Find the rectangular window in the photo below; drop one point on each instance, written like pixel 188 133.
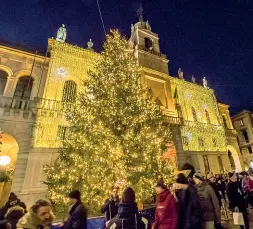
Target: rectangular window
pixel 241 122
pixel 206 163
pixel 220 163
pixel 214 142
pixel 62 132
pixel 250 150
pixel 201 142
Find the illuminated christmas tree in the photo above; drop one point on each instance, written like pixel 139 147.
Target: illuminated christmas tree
pixel 117 135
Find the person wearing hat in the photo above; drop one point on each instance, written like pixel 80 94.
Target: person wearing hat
pixel 78 214
pixel 208 201
pixel 189 210
pixel 128 216
pixel 12 201
pixel 165 209
pixel 236 198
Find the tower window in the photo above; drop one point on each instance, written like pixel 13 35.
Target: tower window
pixel 250 150
pixel 241 122
pixel 148 43
pixel 245 135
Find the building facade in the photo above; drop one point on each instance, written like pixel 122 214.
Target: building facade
pixel 244 127
pixel 37 90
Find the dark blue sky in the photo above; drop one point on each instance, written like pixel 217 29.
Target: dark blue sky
pixel 206 38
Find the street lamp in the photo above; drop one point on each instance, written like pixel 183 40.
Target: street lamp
pixel 5 160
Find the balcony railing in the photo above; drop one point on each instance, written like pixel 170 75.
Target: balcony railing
pixel 15 103
pixel 174 120
pixel 141 47
pixel 230 133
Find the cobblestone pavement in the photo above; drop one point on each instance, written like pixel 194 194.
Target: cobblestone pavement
pixel 230 225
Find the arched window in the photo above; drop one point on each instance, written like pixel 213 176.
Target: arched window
pixel 24 87
pixel 207 116
pixel 194 115
pixel 3 80
pixel 148 43
pixel 69 92
pixel 231 160
pixel 225 121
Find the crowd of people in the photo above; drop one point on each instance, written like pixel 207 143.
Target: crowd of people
pixel 190 203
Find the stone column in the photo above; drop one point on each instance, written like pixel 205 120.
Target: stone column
pixel 10 86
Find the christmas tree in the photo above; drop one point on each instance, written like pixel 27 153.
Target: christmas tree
pixel 117 135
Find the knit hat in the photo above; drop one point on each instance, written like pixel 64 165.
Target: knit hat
pixel 128 195
pixel 13 197
pixel 181 179
pixel 198 175
pixel 75 195
pixel 160 183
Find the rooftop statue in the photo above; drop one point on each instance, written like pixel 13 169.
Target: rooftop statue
pixel 193 79
pixel 61 34
pixel 180 73
pixel 205 82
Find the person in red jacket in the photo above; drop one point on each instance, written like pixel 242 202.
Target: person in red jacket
pixel 165 211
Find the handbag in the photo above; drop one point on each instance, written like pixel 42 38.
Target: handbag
pixel 238 218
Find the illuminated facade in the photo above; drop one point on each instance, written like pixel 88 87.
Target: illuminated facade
pixel 243 124
pixel 34 111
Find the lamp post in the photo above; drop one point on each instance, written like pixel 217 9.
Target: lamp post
pixel 4 162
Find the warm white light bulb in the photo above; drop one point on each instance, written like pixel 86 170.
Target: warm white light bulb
pixel 5 160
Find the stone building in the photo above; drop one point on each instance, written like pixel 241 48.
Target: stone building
pixel 37 89
pixel 244 126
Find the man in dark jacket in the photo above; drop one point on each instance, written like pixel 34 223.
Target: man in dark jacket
pixel 208 200
pixel 189 209
pixel 236 198
pixel 127 217
pixel 110 207
pixel 77 214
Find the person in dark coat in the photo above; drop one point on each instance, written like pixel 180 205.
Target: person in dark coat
pixel 128 216
pixel 78 214
pixel 166 209
pixel 237 200
pixel 13 215
pixel 110 207
pixel 12 201
pixel 209 202
pixel 190 214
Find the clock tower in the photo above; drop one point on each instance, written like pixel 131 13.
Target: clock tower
pixel 154 64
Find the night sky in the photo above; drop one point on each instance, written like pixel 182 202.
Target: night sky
pixel 205 38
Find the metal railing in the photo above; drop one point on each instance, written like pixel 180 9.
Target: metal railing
pixel 141 47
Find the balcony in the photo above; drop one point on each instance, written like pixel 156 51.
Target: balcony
pixel 18 108
pixel 143 48
pixel 173 120
pixel 230 133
